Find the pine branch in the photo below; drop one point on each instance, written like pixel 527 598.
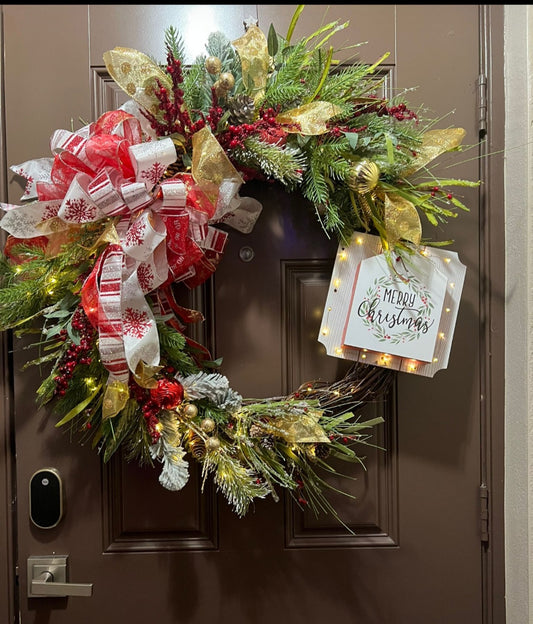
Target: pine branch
pixel 283 164
pixel 174 42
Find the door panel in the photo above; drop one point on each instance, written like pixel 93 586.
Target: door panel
pixel 186 557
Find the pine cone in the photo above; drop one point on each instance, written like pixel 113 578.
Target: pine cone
pixel 268 442
pixel 322 450
pixel 173 169
pixel 256 431
pixel 242 109
pixel 196 446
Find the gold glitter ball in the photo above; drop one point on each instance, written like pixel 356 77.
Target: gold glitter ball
pixel 213 65
pixel 213 444
pixel 189 410
pixel 207 425
pixel 226 81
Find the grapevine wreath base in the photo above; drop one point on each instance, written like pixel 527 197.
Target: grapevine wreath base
pixel 139 203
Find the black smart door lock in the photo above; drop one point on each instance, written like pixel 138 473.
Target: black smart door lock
pixel 46 498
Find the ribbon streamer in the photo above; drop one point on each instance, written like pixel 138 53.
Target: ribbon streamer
pixel 252 48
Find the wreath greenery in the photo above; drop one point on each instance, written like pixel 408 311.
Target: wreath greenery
pixel 168 165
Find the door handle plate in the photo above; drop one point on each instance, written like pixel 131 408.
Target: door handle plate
pixel 48 577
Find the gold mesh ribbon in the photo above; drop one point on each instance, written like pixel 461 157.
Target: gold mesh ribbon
pixel 252 48
pixel 301 428
pixel 145 375
pixel 137 75
pixel 115 398
pixel 311 118
pixel 435 143
pixel 210 164
pixel 402 221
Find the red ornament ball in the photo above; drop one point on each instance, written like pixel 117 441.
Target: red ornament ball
pixel 168 394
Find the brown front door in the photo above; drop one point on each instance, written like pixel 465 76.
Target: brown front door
pixel 418 554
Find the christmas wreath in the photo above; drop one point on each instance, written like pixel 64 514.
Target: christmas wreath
pixel 139 201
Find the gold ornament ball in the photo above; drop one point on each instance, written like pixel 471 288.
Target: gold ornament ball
pixel 207 425
pixel 189 410
pixel 213 65
pixel 212 444
pixel 226 81
pixel 363 177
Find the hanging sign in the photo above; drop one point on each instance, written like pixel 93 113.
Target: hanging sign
pixel 397 312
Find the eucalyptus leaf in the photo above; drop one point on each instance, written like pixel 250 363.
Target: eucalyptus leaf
pixel 353 139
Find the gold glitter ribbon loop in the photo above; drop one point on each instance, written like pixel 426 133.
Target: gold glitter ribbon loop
pixel 310 119
pixel 435 143
pixel 210 165
pixel 402 221
pixel 302 428
pixel 115 398
pixel 137 75
pixel 252 48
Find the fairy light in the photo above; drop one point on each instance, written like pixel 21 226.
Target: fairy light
pixel 18 269
pixel 338 350
pixel 359 240
pixel 442 335
pixel 90 382
pixel 386 359
pixel 336 283
pixel 435 360
pixel 159 427
pixel 452 284
pixel 447 260
pixel 412 366
pixel 343 254
pixel 325 331
pixel 448 310
pixel 50 282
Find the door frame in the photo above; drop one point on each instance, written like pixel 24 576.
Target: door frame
pixel 9 596
pixel 492 347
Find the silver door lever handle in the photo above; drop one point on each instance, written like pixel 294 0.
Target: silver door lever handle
pixel 47 577
pixel 45 586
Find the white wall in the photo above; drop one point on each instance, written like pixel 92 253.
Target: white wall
pixel 519 313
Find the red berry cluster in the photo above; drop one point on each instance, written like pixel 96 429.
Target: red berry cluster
pixel 436 190
pixel 301 499
pixel 338 130
pixel 215 112
pixel 176 116
pixel 400 112
pixel 149 409
pixel 76 354
pixel 266 127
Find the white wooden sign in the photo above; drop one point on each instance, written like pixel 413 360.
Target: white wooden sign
pixel 399 315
